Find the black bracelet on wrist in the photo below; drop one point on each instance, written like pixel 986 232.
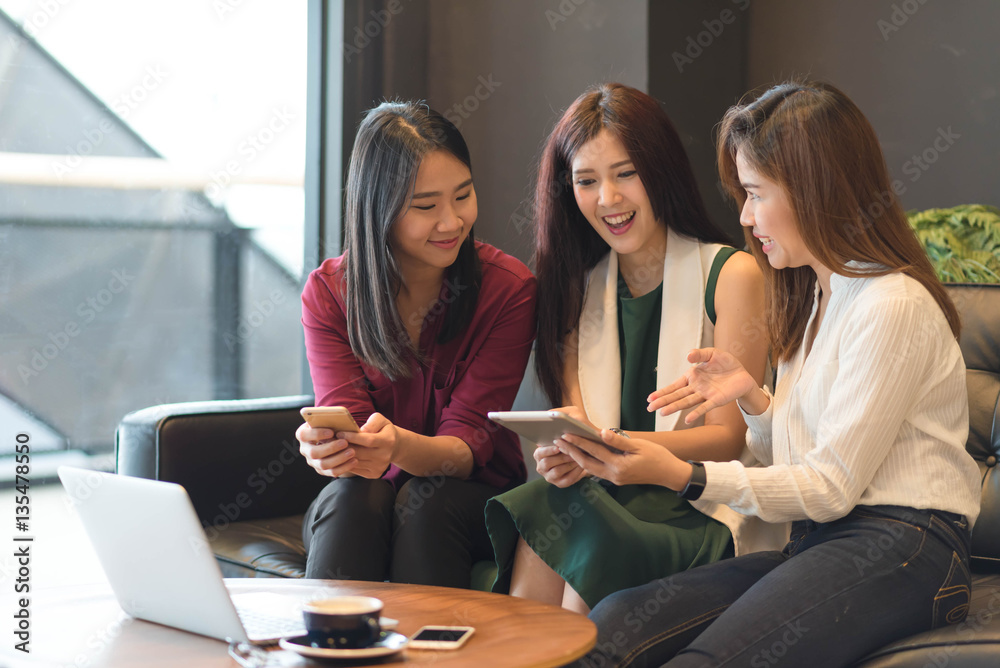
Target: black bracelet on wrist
pixel 696 485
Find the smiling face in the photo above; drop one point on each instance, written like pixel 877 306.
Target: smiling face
pixel 612 197
pixel 768 212
pixel 441 211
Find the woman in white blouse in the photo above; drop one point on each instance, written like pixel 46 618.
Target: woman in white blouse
pixel 862 442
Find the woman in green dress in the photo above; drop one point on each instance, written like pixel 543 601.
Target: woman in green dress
pixel 623 240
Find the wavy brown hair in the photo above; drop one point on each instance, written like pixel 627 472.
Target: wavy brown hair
pixel 566 246
pixel 815 143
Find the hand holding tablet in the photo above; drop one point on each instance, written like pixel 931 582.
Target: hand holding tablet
pixel 544 427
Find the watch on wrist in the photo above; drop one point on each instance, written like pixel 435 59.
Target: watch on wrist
pixel 620 432
pixel 696 485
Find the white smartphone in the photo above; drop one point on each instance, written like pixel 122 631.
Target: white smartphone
pixel 336 418
pixel 440 637
pixel 543 427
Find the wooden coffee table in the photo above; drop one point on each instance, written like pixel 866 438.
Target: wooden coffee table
pixel 85 626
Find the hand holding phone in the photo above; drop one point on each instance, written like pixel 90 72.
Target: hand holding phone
pixel 336 418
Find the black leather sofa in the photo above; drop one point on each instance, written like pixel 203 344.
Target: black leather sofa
pixel 975 643
pixel 239 462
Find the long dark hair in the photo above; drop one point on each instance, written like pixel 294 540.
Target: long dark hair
pixel 392 140
pixel 566 246
pixel 815 143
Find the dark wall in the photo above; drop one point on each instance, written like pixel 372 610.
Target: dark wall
pixel 697 70
pixel 505 71
pixel 926 73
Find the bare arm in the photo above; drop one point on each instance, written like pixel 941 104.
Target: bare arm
pixel 739 330
pixel 422 455
pixel 369 452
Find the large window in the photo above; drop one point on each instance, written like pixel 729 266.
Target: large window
pixel 151 208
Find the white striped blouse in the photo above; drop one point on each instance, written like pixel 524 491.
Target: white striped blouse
pixel 877 413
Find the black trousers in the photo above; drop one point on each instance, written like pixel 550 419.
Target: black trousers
pixel 431 532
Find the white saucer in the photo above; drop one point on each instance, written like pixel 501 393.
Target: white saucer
pixel 389 643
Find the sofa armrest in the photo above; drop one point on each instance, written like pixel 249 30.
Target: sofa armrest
pixel 238 460
pixel 979 307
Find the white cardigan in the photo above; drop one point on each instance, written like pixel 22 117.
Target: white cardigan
pixel 684 325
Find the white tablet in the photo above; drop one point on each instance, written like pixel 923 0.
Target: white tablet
pixel 543 427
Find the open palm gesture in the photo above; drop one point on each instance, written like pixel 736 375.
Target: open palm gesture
pixel 715 379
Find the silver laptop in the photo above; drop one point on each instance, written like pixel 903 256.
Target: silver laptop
pixel 159 563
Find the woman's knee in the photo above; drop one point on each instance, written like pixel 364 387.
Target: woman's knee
pixel 360 499
pixel 426 501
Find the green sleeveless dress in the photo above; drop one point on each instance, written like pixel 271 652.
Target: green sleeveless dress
pixel 599 537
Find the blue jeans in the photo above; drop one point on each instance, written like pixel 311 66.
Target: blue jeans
pixel 838 591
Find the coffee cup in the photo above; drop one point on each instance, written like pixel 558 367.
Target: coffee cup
pixel 345 622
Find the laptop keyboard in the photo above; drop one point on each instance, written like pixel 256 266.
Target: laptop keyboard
pixel 268 616
pixel 262 625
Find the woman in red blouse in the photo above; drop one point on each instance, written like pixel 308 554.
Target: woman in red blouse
pixel 419 331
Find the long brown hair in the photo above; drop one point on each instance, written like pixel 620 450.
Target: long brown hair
pixel 566 246
pixel 815 143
